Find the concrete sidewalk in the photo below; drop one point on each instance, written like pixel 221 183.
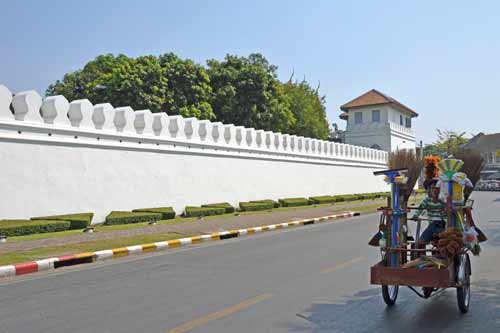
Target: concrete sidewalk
pixel 196 227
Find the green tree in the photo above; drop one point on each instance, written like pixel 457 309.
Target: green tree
pixel 188 88
pixel 447 143
pixel 246 92
pixel 308 108
pixel 164 83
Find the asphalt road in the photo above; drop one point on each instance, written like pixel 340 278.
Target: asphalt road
pixel 308 279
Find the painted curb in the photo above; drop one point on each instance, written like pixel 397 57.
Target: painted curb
pixel 88 257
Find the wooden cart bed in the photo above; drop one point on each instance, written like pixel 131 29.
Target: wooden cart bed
pixel 427 277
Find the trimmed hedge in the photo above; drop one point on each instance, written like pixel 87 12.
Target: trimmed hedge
pixel 323 199
pixel 11 228
pixel 228 208
pixel 192 211
pixel 338 198
pixel 275 204
pixel 167 213
pixel 78 221
pixel 368 196
pixel 350 197
pixel 120 217
pixel 254 206
pixel 294 202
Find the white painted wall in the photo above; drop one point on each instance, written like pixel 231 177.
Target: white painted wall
pixel 400 139
pixel 76 157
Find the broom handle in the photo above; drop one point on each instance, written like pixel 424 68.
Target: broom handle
pixel 451 222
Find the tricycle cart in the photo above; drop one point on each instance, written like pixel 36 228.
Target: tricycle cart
pixel 399 249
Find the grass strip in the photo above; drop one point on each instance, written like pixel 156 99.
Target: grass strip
pixel 91 246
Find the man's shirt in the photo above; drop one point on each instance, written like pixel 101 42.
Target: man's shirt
pixel 435 210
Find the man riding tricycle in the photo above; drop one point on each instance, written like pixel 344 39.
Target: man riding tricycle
pixel 437 258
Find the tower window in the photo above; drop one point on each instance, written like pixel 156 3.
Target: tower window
pixel 408 122
pixel 358 117
pixel 375 116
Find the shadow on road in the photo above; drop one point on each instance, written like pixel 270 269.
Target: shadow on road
pixel 365 311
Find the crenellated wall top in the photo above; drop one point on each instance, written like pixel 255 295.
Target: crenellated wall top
pixel 28 112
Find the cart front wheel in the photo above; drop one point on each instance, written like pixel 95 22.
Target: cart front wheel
pixel 390 294
pixel 463 292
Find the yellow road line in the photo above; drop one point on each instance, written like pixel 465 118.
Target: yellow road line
pixel 219 314
pixel 342 265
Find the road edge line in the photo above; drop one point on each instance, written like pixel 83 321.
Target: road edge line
pixel 89 257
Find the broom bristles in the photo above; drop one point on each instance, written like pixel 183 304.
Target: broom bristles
pixel 473 164
pixel 407 159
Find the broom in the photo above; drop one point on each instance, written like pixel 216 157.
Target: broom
pixel 473 164
pixel 406 159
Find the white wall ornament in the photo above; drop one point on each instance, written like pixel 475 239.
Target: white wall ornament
pixel 259 138
pixel 286 141
pixel 307 144
pixel 239 134
pixel 293 142
pixel 102 116
pixel 300 143
pixel 269 139
pixel 160 123
pixel 55 110
pixel 26 106
pixel 124 119
pixel 191 128
pixel 277 141
pixel 250 138
pixel 216 132
pixel 143 122
pixel 204 129
pixel 5 100
pixel 229 134
pixel 80 113
pixel 176 127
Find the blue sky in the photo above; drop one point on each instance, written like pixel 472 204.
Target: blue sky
pixel 441 58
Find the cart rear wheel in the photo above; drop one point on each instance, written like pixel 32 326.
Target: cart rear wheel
pixel 390 294
pixel 463 276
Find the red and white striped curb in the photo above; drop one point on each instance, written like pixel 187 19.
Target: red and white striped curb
pixel 87 257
